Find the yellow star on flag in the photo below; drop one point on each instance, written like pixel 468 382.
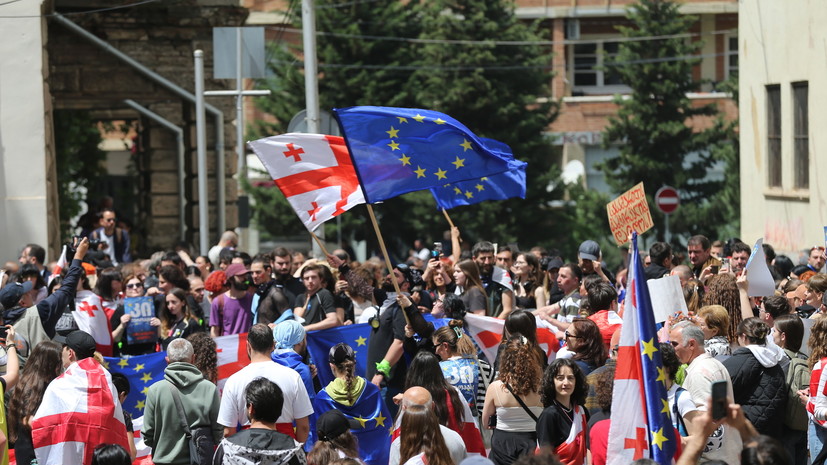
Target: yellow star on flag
pixel 147 377
pixel 466 145
pixel 439 121
pixel 419 118
pixel 145 390
pixel 649 348
pixel 480 187
pixel 420 172
pixel 459 162
pixel 360 341
pixel 393 133
pixel 440 173
pixel 394 146
pixel 123 363
pixel 140 405
pixel 402 119
pixel 361 421
pixel 139 367
pixel 469 194
pixel 483 178
pixel 665 408
pixel 406 160
pixel 661 375
pixel 458 190
pixel 380 420
pixel 658 438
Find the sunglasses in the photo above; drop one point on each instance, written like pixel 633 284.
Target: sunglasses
pixel 568 335
pixel 134 286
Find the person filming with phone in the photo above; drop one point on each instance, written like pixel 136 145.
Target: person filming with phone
pixel 703 371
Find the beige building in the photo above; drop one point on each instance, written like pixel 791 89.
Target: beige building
pixel 783 45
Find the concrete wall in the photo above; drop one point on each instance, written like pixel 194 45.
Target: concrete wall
pixel 782 42
pixel 27 190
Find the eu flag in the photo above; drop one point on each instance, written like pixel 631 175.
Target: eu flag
pixel 319 344
pixel 641 426
pixel 496 187
pixel 142 371
pixel 400 150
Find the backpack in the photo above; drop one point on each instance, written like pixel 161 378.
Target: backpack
pixel 795 416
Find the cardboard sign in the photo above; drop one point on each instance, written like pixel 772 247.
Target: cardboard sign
pixel 667 297
pixel 139 331
pixel 629 212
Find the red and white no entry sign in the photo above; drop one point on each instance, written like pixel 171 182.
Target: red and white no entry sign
pixel 667 199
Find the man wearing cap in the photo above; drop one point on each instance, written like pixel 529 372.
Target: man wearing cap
pixel 80 408
pixel 497 281
pixel 36 323
pixel 291 341
pixel 552 269
pixel 420 396
pixel 231 312
pixel 589 261
pixel 297 407
pixel 162 430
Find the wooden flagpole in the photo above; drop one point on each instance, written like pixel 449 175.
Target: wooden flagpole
pixel 321 244
pixel 450 223
pixel 387 257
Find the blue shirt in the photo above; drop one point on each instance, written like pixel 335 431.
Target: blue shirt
pixel 463 374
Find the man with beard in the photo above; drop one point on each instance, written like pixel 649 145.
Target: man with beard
pixel 386 366
pixel 269 302
pixel 495 280
pixel 230 312
pixel 700 256
pixel 316 305
pixel 283 268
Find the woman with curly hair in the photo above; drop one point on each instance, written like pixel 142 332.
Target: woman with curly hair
pixel 355 398
pixel 562 425
pixel 817 402
pixel 44 364
pixel 421 442
pixel 584 339
pixel 515 426
pixel 467 278
pixel 206 357
pixel 723 290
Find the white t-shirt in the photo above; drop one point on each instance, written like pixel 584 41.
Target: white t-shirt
pixel 456 447
pixel 233 409
pixel 685 403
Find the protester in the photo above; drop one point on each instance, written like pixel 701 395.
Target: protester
pixel 177 319
pixel 459 362
pixel 335 439
pixel 205 357
pixel 231 312
pixel 562 425
pixel 714 322
pixel 466 277
pixel 788 333
pixel 291 341
pixel 420 442
pixel 316 306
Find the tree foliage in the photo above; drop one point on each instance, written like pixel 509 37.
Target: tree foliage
pixel 654 131
pixel 499 91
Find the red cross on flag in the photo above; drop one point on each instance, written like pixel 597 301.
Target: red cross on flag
pixel 78 412
pixel 314 172
pixel 91 318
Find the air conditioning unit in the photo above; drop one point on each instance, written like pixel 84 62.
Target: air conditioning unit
pixel 573 29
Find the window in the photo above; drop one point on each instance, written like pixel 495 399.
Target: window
pixel 801 133
pixel 774 135
pixel 732 56
pixel 588 65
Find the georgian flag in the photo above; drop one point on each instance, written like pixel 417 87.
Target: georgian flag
pixel 488 333
pixel 91 318
pixel 314 172
pixel 232 356
pixel 79 410
pixel 59 266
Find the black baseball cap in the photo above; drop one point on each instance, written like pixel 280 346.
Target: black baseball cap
pixel 12 293
pixel 82 343
pixel 333 424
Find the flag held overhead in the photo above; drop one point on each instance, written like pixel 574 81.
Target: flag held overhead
pixel 500 186
pixel 400 150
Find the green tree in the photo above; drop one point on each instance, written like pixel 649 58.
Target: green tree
pixel 657 142
pixel 499 91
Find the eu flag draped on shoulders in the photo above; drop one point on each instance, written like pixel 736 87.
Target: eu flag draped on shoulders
pixel 640 425
pixel 400 150
pixel 500 186
pixel 319 344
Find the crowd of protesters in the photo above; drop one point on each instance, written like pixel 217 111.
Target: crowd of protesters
pixel 443 400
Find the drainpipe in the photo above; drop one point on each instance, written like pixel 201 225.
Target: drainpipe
pixel 179 139
pixel 176 89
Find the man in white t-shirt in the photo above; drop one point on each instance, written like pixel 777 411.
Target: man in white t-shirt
pixel 703 370
pixel 297 407
pixel 420 396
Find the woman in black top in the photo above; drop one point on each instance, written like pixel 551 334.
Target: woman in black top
pixel 177 319
pixel 562 425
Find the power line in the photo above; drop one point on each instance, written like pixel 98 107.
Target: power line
pixel 78 13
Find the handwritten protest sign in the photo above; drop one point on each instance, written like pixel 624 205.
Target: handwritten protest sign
pixel 629 212
pixel 139 331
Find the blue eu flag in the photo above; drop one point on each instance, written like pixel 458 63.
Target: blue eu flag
pixel 400 150
pixel 142 371
pixel 319 344
pixel 497 187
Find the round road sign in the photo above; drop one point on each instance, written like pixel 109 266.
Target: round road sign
pixel 667 199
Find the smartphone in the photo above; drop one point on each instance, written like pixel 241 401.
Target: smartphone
pixel 715 269
pixel 725 263
pixel 437 252
pixel 719 400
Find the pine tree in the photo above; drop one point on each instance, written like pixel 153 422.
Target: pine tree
pixel 653 129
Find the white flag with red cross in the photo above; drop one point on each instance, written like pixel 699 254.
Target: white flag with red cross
pixel 79 411
pixel 488 333
pixel 232 356
pixel 314 172
pixel 91 318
